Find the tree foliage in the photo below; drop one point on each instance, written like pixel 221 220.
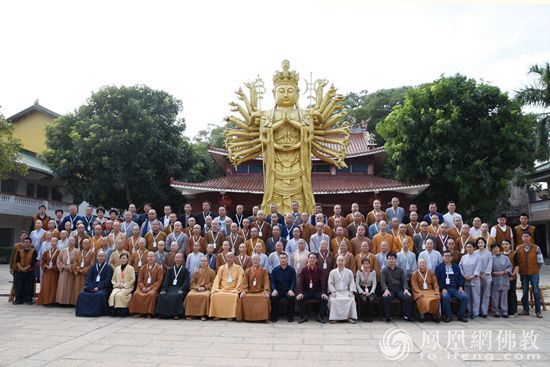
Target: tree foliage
pixel 124 145
pixel 466 139
pixel 9 150
pixel 538 95
pixel 374 107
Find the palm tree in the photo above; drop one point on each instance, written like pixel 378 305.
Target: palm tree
pixel 538 95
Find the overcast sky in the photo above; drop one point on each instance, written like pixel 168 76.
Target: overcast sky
pixel 202 51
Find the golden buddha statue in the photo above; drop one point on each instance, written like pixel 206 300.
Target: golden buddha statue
pixel 287 137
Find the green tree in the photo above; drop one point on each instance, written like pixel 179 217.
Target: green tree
pixel 373 107
pixel 124 145
pixel 9 150
pixel 538 95
pixel 466 139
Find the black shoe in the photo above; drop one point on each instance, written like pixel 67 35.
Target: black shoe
pixel 290 319
pixel 302 320
pixel 462 319
pixel 505 316
pixel 388 319
pixel 17 302
pixel 446 319
pixel 484 316
pixel 274 319
pixel 320 319
pixel 369 320
pixel 496 316
pixel 421 320
pixel 28 302
pixel 407 318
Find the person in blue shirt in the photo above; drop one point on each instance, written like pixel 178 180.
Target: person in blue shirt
pixel 73 217
pixel 283 284
pixel 451 285
pixel 432 209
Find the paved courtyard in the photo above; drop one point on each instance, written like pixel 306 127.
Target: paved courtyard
pixel 38 336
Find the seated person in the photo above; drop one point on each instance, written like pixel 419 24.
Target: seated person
pixel 283 284
pixel 341 287
pixel 226 288
pixel 123 281
pixel 365 280
pixel 254 302
pixel 197 302
pixel 92 301
pixel 394 285
pixel 312 284
pixel 174 289
pixel 425 291
pixel 451 285
pixel 144 299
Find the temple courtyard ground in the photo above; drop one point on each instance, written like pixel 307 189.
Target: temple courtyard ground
pixel 39 336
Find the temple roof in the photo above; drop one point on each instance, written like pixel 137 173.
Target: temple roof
pixel 322 184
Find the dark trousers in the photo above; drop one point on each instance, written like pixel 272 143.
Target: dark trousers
pixel 24 286
pixel 405 300
pixel 367 307
pixel 512 298
pixel 316 295
pixel 290 304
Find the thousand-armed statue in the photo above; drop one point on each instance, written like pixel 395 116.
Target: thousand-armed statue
pixel 287 137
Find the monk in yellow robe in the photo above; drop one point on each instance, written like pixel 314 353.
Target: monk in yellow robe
pixel 254 303
pixel 225 290
pixel 197 302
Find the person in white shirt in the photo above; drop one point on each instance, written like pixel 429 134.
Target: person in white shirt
pixel 475 231
pixel 449 218
pixel 433 257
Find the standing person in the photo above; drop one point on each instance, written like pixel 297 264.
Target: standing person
pixel 42 217
pixel 451 214
pixel 283 284
pixel 65 264
pixel 23 273
pixel 36 240
pixel 406 259
pixel 421 237
pixel 395 211
pixel 485 279
pixel 432 209
pixel 144 299
pixel 201 217
pixel 194 259
pixel 123 281
pixel 394 285
pixel 127 227
pixel 366 288
pixel 502 269
pixel 451 285
pixel 72 218
pixel 312 284
pixel 50 274
pixel 470 268
pixel 174 290
pixel 316 238
pixel 425 291
pixel 83 261
pixel 341 287
pixel 512 295
pixel 197 302
pixel 187 214
pixel 529 261
pixel 238 216
pixel 88 220
pixel 501 231
pixel 522 228
pixel 92 301
pixel 433 257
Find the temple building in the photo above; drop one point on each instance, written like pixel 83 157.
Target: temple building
pixel 356 183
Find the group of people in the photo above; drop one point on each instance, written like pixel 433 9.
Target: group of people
pixel 257 267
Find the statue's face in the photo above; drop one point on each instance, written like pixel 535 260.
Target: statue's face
pixel 286 95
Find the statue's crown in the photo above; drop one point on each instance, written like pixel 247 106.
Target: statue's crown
pixel 286 76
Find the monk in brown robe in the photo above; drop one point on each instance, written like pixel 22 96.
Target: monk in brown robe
pixel 196 237
pixel 254 303
pixel 96 242
pixel 358 240
pixel 65 264
pixel 85 258
pixel 365 253
pixel 50 274
pixel 114 259
pixel 243 259
pixel 337 242
pixel 425 291
pixel 132 242
pixel 144 299
pixel 170 258
pixel 13 266
pixel 197 302
pixel 154 236
pixel 139 257
pixel 221 259
pixel 252 241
